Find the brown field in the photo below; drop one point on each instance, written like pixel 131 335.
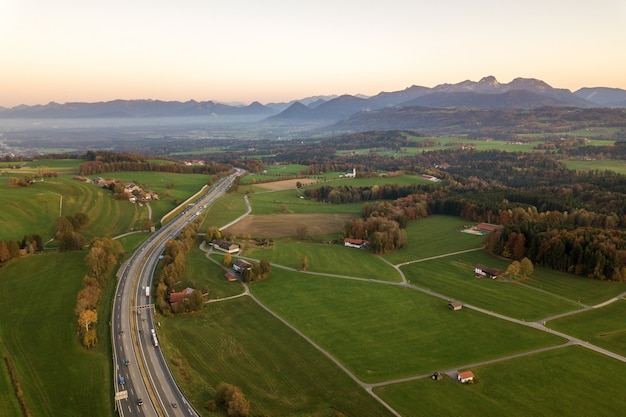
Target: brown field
pixel 285 225
pixel 285 184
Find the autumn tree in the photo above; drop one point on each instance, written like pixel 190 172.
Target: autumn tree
pixel 232 399
pixel 86 322
pixel 228 258
pixel 147 223
pixel 526 267
pixel 304 263
pixel 212 233
pixel 302 231
pixel 513 270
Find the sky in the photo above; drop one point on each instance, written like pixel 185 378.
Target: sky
pixel 240 51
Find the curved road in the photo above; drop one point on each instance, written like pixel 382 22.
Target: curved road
pixel 143 382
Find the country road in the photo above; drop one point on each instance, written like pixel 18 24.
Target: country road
pixel 369 387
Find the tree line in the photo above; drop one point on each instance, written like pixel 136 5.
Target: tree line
pixel 104 254
pixel 173 271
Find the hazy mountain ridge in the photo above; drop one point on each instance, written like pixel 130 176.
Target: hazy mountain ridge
pixel 134 108
pixel 487 93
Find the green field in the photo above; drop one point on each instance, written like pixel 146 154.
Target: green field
pixel 273 173
pixel 34 209
pixel 225 209
pixel 583 290
pixel 274 201
pixel 183 187
pixel 453 276
pixel 202 272
pixel 328 259
pixel 433 236
pixel 38 333
pixel 279 372
pixel 60 166
pixel 618 166
pixel 382 332
pixel 570 381
pixel 605 327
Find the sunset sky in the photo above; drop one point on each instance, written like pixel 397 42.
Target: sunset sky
pixel 239 51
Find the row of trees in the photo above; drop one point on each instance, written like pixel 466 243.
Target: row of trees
pixel 66 232
pixel 104 254
pixel 10 249
pixel 173 271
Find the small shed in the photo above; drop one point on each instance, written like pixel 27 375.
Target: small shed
pixel 465 377
pixel 230 276
pixel 455 305
pixel 240 265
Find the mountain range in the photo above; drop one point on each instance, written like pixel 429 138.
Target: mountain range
pixel 488 93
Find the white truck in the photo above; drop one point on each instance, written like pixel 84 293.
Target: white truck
pixel 147 291
pixel 155 341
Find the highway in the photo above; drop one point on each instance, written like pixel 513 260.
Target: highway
pixel 148 387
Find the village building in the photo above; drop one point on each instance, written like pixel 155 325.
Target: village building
pixel 230 276
pixel 224 246
pixel 465 377
pixel 240 265
pixel 430 178
pixel 350 174
pixel 482 271
pixel 355 243
pixel 178 297
pixel 455 305
pixel 488 227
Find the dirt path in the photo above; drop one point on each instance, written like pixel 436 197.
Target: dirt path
pixel 369 387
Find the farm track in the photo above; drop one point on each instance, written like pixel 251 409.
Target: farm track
pixel 369 387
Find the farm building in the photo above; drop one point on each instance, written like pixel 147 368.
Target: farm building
pixel 351 174
pixel 487 227
pixel 240 265
pixel 224 246
pixel 481 271
pixel 455 305
pixel 177 297
pixel 230 276
pixel 355 243
pixel 465 377
pixel 430 178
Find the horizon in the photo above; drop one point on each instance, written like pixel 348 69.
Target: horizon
pixel 278 51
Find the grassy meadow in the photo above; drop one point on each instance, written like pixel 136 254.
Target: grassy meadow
pixel 615 165
pixel 238 342
pixel 434 236
pixel 605 327
pixel 289 202
pixel 34 209
pixel 328 259
pixel 225 209
pixel 571 381
pixel 453 276
pixel 38 333
pixel 383 332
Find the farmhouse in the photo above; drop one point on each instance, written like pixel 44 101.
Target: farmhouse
pixel 455 305
pixel 481 271
pixel 351 174
pixel 465 377
pixel 355 243
pixel 488 227
pixel 177 297
pixel 430 178
pixel 224 246
pixel 240 265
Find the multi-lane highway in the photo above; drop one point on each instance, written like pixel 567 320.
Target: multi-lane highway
pixel 143 382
